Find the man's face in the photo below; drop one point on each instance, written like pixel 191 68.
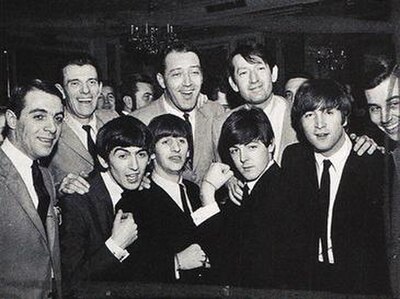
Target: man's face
pixel 144 94
pixel 82 89
pixel 182 79
pixel 251 159
pixel 127 166
pixel 324 129
pixel 170 155
pixel 291 87
pixel 252 80
pixel 38 128
pixel 384 107
pixel 106 100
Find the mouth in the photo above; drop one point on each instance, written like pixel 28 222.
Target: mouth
pixel 256 88
pixel 84 100
pixel 187 93
pixel 46 140
pixel 132 178
pixel 392 129
pixel 321 135
pixel 247 168
pixel 176 159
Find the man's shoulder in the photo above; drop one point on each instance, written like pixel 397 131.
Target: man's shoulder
pixel 147 113
pixel 212 108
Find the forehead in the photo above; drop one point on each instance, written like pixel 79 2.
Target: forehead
pixel 107 89
pixel 294 83
pixel 238 61
pixel 144 87
pixel 38 99
pixel 380 93
pixel 181 60
pixel 241 145
pixel 74 71
pixel 128 149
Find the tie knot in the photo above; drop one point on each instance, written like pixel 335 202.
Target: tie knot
pixel 246 189
pixel 186 116
pixel 327 164
pixel 35 164
pixel 86 128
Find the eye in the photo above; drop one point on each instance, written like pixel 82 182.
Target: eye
pixel 92 82
pixel 182 140
pixel 308 115
pixel 74 84
pixel 252 146
pixel 176 74
pixel 374 109
pixel 242 73
pixel 261 67
pixel 142 155
pixel 233 151
pixel 394 105
pixel 122 156
pixel 59 118
pixel 195 72
pixel 329 111
pixel 39 116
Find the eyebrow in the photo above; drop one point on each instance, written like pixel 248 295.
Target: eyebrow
pixel 72 80
pixel 180 68
pixel 38 110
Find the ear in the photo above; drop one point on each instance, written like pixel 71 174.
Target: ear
pixel 128 102
pixel 233 84
pixel 160 80
pixel 271 148
pixel 103 162
pixel 61 89
pixel 345 122
pixel 11 119
pixel 274 73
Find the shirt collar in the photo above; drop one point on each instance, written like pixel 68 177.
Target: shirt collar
pixel 73 122
pixel 19 159
pixel 339 158
pixel 251 184
pixel 171 109
pixel 112 187
pixel 163 182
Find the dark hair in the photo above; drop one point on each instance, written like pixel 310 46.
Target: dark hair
pixel 80 60
pixel 123 131
pixel 319 94
pixel 129 88
pixel 248 52
pixel 169 125
pixel 377 68
pixel 242 127
pixel 298 75
pixel 16 101
pixel 180 47
pixel 3 110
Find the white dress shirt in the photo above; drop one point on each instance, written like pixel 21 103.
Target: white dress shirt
pixel 23 164
pixel 338 161
pixel 76 127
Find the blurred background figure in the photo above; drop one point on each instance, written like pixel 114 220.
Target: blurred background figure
pixel 292 85
pixel 137 91
pixel 107 98
pixel 215 87
pixel 2 122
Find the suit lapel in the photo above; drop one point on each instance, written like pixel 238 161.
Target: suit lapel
pixel 19 192
pixel 69 138
pixel 200 132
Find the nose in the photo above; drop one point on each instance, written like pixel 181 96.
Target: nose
pixel 253 76
pixel 243 155
pixel 51 126
pixel 320 120
pixel 85 88
pixel 187 81
pixel 175 146
pixel 134 163
pixel 386 115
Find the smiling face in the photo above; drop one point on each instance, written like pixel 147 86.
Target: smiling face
pixel 384 107
pixel 127 165
pixel 82 89
pixel 253 80
pixel 251 159
pixel 324 129
pixel 170 154
pixel 38 128
pixel 182 79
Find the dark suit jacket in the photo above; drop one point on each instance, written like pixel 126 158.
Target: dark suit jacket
pixel 357 225
pixel 164 225
pixel 249 235
pixel 28 252
pixel 87 224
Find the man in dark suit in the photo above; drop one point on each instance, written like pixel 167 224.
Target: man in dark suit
pixel 382 90
pixel 181 77
pixel 29 248
pixel 170 212
pixel 94 235
pixel 334 216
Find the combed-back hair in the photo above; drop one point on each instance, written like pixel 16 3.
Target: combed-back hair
pixel 169 125
pixel 242 127
pixel 123 131
pixel 179 47
pixel 79 59
pixel 248 52
pixel 377 68
pixel 16 101
pixel 319 94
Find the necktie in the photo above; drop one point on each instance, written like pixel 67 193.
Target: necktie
pixel 246 195
pixel 184 200
pixel 41 191
pixel 91 146
pixel 324 192
pixel 190 139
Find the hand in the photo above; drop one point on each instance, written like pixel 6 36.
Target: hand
pixel 124 231
pixel 235 190
pixel 192 257
pixel 365 144
pixel 145 183
pixel 73 183
pixel 217 175
pixel 201 100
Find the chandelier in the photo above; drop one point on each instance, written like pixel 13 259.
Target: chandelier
pixel 150 39
pixel 329 57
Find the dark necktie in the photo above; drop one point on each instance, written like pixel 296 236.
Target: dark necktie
pixel 246 195
pixel 91 147
pixel 184 200
pixel 190 140
pixel 41 191
pixel 324 192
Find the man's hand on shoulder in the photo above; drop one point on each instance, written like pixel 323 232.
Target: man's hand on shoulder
pixel 364 144
pixel 74 183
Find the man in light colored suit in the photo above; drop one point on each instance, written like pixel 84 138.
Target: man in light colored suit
pixel 29 249
pixel 181 77
pixel 73 155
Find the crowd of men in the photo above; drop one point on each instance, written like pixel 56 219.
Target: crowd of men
pixel 275 193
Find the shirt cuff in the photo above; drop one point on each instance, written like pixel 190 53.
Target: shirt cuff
pixel 119 253
pixel 204 213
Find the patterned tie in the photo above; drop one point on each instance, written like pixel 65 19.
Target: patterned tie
pixel 184 200
pixel 190 139
pixel 41 191
pixel 92 147
pixel 324 192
